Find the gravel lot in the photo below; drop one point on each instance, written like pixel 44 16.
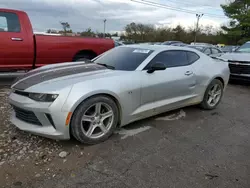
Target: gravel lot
pixel 184 148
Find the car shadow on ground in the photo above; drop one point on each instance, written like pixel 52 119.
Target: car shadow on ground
pixel 173 115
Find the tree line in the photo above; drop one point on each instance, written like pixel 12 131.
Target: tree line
pixel 148 33
pixel 235 32
pixel 87 33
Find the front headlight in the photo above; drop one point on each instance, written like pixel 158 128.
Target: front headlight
pixel 41 97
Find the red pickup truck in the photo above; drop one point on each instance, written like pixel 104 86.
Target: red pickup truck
pixel 20 49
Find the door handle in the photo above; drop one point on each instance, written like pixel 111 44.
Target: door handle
pixel 188 73
pixel 16 39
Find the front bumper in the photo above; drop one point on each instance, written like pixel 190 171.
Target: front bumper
pixel 242 77
pixel 239 71
pixel 55 129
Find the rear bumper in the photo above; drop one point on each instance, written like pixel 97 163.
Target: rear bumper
pixel 54 129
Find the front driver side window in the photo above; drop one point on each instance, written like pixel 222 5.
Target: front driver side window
pixel 171 58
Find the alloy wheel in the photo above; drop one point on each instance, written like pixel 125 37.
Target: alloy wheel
pixel 97 120
pixel 214 95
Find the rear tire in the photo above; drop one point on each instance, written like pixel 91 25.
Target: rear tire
pixel 213 95
pixel 95 120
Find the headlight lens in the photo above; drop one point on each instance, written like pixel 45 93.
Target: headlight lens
pixel 41 97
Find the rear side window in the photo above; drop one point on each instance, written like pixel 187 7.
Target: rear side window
pixel 176 58
pixel 9 22
pixel 192 57
pixel 171 58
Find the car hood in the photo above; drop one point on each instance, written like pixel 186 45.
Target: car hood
pixel 67 74
pixel 242 57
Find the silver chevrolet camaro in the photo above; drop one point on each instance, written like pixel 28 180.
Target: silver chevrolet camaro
pixel 88 100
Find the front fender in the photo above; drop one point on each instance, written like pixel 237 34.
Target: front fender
pixel 76 97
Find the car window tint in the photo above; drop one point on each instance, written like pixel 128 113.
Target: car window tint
pixel 3 24
pixel 172 58
pixel 192 57
pixel 124 58
pixel 215 51
pixel 117 44
pixel 9 22
pixel 207 51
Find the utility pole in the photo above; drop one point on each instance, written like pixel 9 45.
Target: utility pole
pixel 198 16
pixel 104 21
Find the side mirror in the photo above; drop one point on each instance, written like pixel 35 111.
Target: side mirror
pixel 156 67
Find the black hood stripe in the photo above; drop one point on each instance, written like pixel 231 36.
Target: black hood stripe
pixel 57 72
pixel 40 70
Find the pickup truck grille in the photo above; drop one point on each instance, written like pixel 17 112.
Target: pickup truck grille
pixel 26 116
pixel 239 69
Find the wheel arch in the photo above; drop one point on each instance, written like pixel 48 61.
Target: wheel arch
pixel 204 104
pixel 107 94
pixel 83 52
pixel 214 78
pixel 220 79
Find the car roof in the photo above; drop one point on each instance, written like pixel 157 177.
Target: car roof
pixel 12 10
pixel 203 46
pixel 157 47
pixel 172 41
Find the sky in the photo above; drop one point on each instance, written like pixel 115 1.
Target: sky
pixel 82 14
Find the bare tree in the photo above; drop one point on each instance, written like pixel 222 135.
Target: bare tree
pixel 65 26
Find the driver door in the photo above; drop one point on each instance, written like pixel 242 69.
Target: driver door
pixel 170 88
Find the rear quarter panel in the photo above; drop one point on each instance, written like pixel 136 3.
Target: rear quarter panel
pixel 207 69
pixel 57 49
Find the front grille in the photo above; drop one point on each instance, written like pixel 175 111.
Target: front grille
pixel 26 116
pixel 239 69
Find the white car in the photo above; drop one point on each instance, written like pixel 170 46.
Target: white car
pixel 239 62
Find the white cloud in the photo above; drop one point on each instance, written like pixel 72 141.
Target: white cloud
pixel 82 14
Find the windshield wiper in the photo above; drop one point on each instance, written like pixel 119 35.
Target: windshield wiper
pixel 107 66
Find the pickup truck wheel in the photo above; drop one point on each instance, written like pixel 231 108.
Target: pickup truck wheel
pixel 83 56
pixel 94 120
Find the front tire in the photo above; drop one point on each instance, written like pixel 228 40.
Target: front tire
pixel 95 120
pixel 213 95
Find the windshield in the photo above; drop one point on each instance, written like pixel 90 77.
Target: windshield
pixel 244 48
pixel 227 48
pixel 124 58
pixel 200 48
